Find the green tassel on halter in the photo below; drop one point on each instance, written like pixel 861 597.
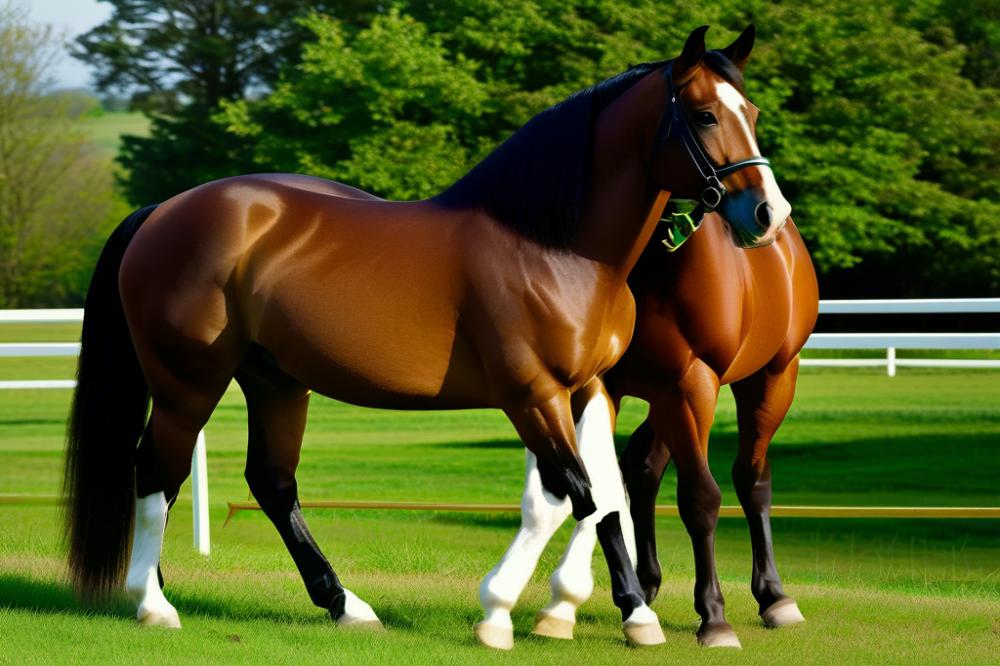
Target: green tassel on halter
pixel 680 222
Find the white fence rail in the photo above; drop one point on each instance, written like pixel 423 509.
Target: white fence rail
pixel 888 341
pixel 199 467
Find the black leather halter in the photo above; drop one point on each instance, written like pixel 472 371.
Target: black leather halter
pixel 675 124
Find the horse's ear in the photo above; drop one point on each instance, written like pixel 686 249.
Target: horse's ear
pixel 739 51
pixel 690 58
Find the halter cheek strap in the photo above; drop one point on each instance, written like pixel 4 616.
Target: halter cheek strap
pixel 675 124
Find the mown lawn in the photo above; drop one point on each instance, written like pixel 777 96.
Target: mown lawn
pixel 874 591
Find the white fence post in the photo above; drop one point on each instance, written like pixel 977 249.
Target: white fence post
pixel 890 361
pixel 199 494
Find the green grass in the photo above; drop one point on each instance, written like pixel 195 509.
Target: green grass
pixel 106 130
pixel 874 591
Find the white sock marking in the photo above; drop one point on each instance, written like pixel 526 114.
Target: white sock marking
pixel 142 583
pixel 356 610
pixel 541 516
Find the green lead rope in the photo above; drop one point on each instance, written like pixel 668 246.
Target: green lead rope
pixel 681 218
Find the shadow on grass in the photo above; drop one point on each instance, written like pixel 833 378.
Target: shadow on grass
pixel 481 444
pixel 942 465
pixel 506 521
pixel 61 422
pixel 18 592
pixel 47 596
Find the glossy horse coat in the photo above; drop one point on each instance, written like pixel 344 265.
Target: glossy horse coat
pixel 739 320
pixel 507 290
pixel 708 314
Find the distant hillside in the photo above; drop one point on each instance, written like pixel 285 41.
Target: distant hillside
pixel 107 128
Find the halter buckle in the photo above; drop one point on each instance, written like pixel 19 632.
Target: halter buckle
pixel 712 195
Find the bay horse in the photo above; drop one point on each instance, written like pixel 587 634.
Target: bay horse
pixel 708 314
pixel 508 290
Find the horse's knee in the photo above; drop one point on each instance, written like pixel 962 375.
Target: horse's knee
pixel 699 499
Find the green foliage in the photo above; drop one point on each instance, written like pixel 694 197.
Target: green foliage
pixel 882 121
pixel 179 59
pixel 880 140
pixel 886 151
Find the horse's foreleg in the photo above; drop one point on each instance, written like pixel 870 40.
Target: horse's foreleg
pixel 572 583
pixel 642 466
pixel 276 408
pixel 541 516
pixel 683 421
pixel 762 401
pixel 612 520
pixel 557 475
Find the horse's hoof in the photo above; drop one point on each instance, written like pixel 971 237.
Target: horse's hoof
pixel 161 617
pixel 644 635
pixel 492 636
pixel 551 626
pixel 719 637
pixel 782 613
pixel 357 614
pixel 363 625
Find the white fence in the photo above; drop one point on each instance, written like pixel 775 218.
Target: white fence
pixel 199 471
pixel 888 341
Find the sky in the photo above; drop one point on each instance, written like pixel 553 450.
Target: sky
pixel 73 17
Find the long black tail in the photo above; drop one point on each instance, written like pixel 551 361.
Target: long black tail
pixel 106 422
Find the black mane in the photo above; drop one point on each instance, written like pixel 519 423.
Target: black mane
pixel 535 181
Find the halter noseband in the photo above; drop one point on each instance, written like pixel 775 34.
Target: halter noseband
pixel 675 123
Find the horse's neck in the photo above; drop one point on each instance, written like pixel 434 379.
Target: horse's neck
pixel 623 207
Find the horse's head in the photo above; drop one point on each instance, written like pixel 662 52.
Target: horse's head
pixel 708 147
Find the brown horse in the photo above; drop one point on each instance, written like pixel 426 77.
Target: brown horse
pixel 508 290
pixel 707 315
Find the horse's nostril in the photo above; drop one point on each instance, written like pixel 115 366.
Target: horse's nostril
pixel 763 214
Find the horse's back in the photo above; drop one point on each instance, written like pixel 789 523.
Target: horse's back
pixel 335 286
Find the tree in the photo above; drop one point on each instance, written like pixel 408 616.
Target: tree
pixel 179 59
pixel 882 121
pixel 55 190
pixel 409 102
pixel 882 144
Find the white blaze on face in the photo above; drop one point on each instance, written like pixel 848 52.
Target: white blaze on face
pixel 736 103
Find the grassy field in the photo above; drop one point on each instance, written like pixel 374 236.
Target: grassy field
pixel 874 591
pixel 106 130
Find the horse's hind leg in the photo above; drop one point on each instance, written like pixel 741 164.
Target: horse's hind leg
pixel 762 400
pixel 163 462
pixel 277 407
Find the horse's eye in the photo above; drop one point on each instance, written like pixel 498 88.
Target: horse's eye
pixel 705 118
